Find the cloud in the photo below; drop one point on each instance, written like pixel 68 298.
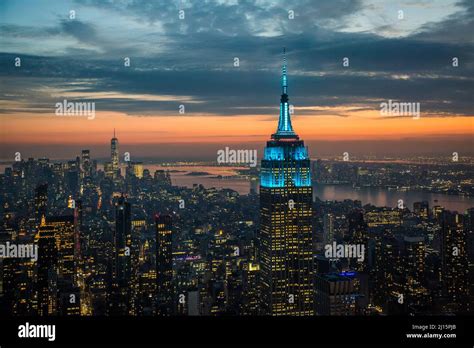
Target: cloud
pixel 192 59
pixel 456 29
pixel 83 32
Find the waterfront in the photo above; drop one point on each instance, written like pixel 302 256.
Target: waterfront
pixel 373 195
pixel 382 197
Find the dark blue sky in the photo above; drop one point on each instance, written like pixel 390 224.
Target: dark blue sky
pixel 191 59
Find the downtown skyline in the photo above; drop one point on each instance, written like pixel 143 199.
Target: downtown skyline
pixel 150 179
pixel 119 245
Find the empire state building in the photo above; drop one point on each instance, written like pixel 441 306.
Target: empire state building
pixel 286 243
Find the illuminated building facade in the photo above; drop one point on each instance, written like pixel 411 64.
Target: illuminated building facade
pixel 138 169
pixel 250 305
pixel 164 264
pixel 114 156
pixel 41 201
pixel 119 302
pixel 286 241
pixel 86 166
pixel 57 266
pixel 399 275
pixel 16 274
pixel 64 229
pixel 328 228
pixel 46 282
pixel 138 228
pixel 383 217
pixel 386 272
pixel 109 170
pixel 417 297
pixel 358 235
pixel 454 262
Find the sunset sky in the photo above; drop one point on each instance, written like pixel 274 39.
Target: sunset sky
pixel 190 62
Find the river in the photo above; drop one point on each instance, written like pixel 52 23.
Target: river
pixel 373 195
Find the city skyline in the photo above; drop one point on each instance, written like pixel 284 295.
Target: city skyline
pixel 149 178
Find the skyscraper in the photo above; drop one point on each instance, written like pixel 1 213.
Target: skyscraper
pixel 114 156
pixel 64 232
pixel 46 281
pixel 414 265
pixel 41 201
pixel 358 234
pixel 336 294
pixel 57 265
pixel 328 228
pixel 454 262
pixel 122 261
pixel 85 163
pixel 164 264
pixel 286 243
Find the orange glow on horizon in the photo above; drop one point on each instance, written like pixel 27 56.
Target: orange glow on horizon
pixel 358 125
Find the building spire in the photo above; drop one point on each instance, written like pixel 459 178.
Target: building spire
pixel 114 132
pixel 284 79
pixel 285 129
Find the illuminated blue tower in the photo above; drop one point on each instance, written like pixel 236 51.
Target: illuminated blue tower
pixel 286 231
pixel 284 122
